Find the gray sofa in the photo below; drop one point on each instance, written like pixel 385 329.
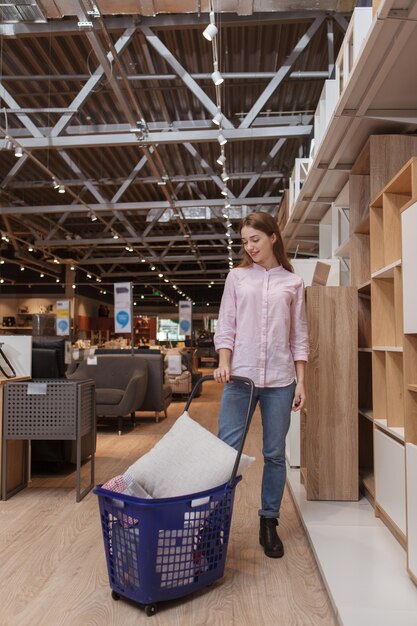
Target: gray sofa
pixel 121 384
pixel 158 395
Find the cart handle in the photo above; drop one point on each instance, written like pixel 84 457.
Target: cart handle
pixel 251 384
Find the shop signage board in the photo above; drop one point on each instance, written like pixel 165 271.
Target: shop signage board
pixel 123 307
pixel 185 314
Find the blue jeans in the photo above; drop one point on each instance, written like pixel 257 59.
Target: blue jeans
pixel 275 404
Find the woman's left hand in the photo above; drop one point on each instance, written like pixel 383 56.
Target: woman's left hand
pixel 299 397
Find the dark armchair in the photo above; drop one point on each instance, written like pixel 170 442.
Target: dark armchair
pixel 121 383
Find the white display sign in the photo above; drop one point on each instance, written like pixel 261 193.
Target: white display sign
pixel 185 314
pixel 63 318
pixel 123 307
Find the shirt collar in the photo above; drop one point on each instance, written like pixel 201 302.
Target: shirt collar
pixel 261 268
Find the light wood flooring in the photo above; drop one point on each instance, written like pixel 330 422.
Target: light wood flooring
pixel 52 560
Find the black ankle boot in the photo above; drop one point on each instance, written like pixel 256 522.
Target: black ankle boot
pixel 268 538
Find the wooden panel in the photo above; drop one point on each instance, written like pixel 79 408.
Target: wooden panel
pixel 360 265
pixel 394 385
pixel 377 237
pixel 379 388
pixel 410 402
pixel 391 216
pixel 398 305
pixel 383 312
pixel 388 154
pixel 359 200
pixel 321 273
pixel 311 437
pixel 331 427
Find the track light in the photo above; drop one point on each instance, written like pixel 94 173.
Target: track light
pixel 217 78
pixel 210 31
pixel 55 183
pixel 221 160
pixel 93 217
pixel 224 191
pixel 115 235
pixel 18 152
pixel 217 119
pixel 61 189
pixel 221 139
pixel 225 176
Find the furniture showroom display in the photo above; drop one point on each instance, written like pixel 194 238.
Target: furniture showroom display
pixel 49 410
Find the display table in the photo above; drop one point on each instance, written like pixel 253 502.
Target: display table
pixel 49 409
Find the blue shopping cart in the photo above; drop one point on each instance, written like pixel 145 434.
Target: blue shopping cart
pixel 162 549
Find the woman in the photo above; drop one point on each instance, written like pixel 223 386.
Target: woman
pixel 262 334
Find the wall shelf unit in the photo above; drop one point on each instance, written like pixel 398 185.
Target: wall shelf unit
pixel 391 437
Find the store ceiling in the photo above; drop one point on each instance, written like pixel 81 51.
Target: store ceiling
pixel 115 101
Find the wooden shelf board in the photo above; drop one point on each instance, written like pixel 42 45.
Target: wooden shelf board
pixel 388 348
pixel 368 413
pixel 396 431
pixel 411 387
pixel 387 271
pixel 365 350
pixel 363 227
pixel 343 250
pixel 365 288
pixel 368 481
pixel 408 204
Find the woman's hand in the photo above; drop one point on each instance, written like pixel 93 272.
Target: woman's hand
pixel 222 374
pixel 299 397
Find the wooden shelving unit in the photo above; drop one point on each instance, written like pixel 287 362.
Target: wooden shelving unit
pixel 393 317
pixel 378 267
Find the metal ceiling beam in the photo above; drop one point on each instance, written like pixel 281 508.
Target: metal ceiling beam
pixel 282 72
pixel 195 89
pixel 296 75
pixel 263 165
pixel 143 207
pixel 192 136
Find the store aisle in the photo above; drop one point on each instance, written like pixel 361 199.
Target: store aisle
pixel 53 568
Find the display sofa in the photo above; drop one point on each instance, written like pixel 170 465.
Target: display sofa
pixel 121 383
pixel 158 395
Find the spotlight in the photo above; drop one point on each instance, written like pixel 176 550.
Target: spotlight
pixel 217 78
pixel 143 260
pixel 115 236
pixel 18 152
pixel 160 275
pixel 210 32
pixel 227 205
pixel 217 119
pixel 221 159
pixel 221 139
pixel 224 191
pixel 93 217
pixel 55 183
pixel 42 275
pixel 72 268
pixel 61 189
pixel 225 176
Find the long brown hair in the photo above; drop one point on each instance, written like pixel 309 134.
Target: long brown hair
pixel 268 225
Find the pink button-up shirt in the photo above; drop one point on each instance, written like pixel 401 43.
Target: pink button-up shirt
pixel 262 321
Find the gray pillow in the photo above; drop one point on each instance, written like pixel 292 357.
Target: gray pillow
pixel 187 459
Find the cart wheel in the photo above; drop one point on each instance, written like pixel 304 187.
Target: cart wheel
pixel 115 595
pixel 150 609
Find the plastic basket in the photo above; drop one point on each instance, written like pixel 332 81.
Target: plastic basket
pixel 161 549
pixel 165 548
